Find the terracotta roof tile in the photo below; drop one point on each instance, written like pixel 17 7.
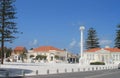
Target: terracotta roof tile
pixel 19 48
pixel 46 49
pixel 113 49
pixel 109 49
pixel 93 50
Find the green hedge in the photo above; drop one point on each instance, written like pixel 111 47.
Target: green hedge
pixel 97 63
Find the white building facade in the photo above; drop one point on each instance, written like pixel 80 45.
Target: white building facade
pixel 51 54
pixel 106 55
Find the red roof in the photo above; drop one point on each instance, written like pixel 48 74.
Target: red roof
pixel 113 49
pixel 46 49
pixel 108 49
pixel 19 48
pixel 93 50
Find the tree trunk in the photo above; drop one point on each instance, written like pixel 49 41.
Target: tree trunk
pixel 2 39
pixel 2 49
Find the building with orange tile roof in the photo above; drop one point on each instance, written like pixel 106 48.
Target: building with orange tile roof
pixel 46 49
pixel 42 54
pixel 52 54
pixel 107 55
pixel 17 51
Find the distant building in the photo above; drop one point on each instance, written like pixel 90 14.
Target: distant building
pixel 46 54
pixel 17 52
pixel 106 55
pixel 72 58
pixel 49 54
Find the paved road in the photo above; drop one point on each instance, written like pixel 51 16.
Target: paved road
pixel 115 73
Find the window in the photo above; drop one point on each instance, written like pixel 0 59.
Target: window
pixel 87 56
pixel 90 57
pixel 51 58
pixel 93 56
pixel 119 57
pixel 116 57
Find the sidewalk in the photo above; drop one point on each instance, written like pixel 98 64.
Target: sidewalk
pixel 18 69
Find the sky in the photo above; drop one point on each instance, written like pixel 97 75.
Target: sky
pixel 56 22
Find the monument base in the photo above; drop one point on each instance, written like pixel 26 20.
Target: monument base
pixel 81 61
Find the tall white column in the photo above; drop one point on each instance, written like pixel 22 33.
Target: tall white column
pixel 81 44
pixel 81 40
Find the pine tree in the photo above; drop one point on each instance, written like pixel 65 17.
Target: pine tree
pixel 92 40
pixel 7 24
pixel 117 39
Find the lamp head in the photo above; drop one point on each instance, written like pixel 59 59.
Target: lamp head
pixel 82 27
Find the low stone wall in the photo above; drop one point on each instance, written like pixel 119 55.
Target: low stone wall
pixel 27 69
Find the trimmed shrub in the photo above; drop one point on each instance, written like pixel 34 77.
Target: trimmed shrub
pixel 97 63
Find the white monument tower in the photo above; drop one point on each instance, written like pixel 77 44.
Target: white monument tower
pixel 81 60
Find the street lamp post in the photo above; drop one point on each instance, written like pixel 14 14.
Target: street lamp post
pixel 65 55
pixel 82 28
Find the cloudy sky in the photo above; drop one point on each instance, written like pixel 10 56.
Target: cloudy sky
pixel 56 22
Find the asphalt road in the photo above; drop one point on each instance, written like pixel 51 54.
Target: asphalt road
pixel 115 73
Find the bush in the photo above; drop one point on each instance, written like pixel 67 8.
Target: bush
pixel 97 63
pixel 41 57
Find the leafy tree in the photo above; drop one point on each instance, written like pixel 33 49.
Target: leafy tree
pixel 38 57
pixel 117 39
pixel 31 48
pixel 41 57
pixel 44 57
pixel 23 56
pixel 0 54
pixel 92 40
pixel 7 52
pixel 56 56
pixel 7 24
pixel 31 56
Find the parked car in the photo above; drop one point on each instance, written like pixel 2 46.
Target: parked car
pixel 119 66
